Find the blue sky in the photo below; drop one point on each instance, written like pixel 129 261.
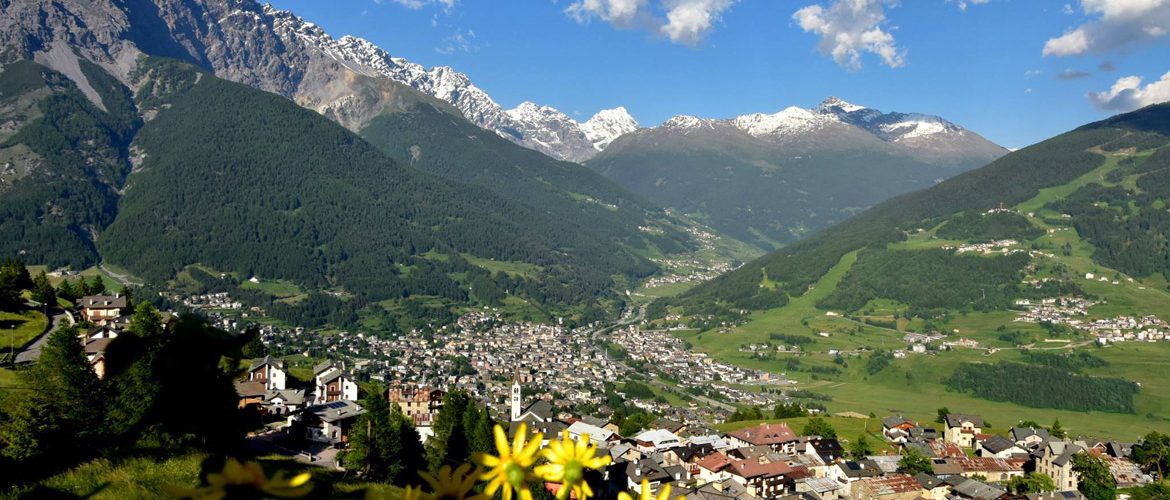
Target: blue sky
pixel 1015 71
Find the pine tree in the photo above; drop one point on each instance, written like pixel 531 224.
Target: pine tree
pixel 372 443
pixel 67 291
pixel 62 408
pixel 384 444
pixel 43 291
pixel 128 293
pixel 11 284
pixel 146 321
pixel 411 452
pixel 153 380
pixel 449 445
pixel 478 424
pixel 96 286
pixel 1057 431
pixel 860 448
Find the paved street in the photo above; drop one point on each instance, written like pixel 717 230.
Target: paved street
pixel 33 351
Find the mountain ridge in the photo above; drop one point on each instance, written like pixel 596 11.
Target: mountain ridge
pixel 1011 180
pixel 770 179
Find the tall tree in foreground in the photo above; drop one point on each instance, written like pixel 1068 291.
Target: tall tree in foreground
pixel 384 444
pixel 1153 453
pixel 1097 483
pixel 13 279
pixel 449 445
pixel 62 408
pixel 155 373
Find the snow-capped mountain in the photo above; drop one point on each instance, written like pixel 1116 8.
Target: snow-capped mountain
pixel 891 127
pixel 542 128
pixel 607 125
pixel 770 178
pixel 789 121
pixel 911 129
pixel 838 124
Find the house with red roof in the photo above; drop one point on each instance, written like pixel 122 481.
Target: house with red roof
pixel 764 480
pixel 778 437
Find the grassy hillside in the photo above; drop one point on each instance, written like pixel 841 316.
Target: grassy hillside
pixel 1085 209
pixel 1012 179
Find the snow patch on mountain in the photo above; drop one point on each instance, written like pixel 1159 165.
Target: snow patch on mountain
pixel 542 128
pixel 607 125
pixel 688 122
pixel 789 121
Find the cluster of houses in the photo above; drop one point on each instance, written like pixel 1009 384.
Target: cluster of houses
pixel 478 353
pixel 221 300
pixel 1003 247
pixel 1071 311
pixel 768 460
pixel 106 317
pixel 773 461
pixel 689 269
pixel 960 447
pixel 324 409
pixel 668 354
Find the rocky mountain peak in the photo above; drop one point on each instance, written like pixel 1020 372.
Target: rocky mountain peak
pixel 608 124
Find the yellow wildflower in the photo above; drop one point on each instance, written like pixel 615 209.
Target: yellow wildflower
pixel 245 480
pixel 448 485
pixel 663 493
pixel 511 470
pixel 567 461
pixel 412 493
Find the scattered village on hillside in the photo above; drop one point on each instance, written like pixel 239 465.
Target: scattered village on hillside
pixel 539 374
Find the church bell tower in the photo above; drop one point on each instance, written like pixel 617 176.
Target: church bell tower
pixel 516 397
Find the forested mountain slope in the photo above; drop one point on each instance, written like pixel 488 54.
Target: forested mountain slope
pixel 772 179
pixel 1010 181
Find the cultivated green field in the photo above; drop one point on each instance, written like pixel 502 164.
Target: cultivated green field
pixel 913 386
pixel 277 288
pixel 17 329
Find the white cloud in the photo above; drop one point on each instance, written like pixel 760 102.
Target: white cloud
pixel 620 13
pixel 418 4
pixel 681 21
pixel 460 40
pixel 688 21
pixel 1119 23
pixel 1128 94
pixel 964 3
pixel 848 28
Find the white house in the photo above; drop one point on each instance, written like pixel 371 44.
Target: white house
pixel 269 371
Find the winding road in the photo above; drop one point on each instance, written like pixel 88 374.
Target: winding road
pixel 33 350
pixel 120 278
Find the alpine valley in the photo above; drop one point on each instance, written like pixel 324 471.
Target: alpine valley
pixel 130 199
pixel 242 257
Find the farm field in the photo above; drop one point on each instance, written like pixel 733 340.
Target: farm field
pixel 913 386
